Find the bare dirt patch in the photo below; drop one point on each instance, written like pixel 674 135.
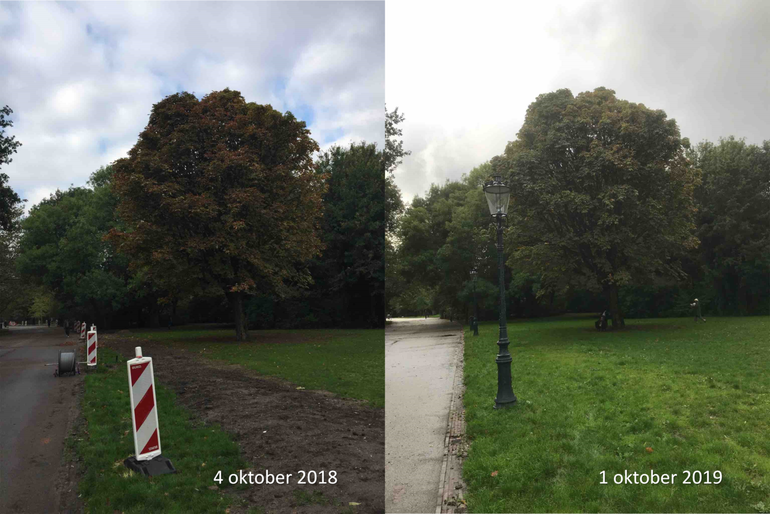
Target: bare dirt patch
pixel 255 338
pixel 280 428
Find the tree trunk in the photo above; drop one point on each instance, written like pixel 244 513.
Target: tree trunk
pixel 743 294
pixel 241 328
pixel 617 316
pixel 372 312
pixel 153 314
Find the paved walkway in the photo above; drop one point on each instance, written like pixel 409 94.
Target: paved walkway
pixel 420 360
pixel 34 411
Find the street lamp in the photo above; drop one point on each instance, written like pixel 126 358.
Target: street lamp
pixel 474 273
pixel 498 195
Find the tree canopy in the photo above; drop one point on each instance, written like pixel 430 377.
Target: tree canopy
pixel 224 192
pixel 9 201
pixel 350 273
pixel 602 193
pixel 605 195
pixel 11 211
pixel 63 254
pixel 734 223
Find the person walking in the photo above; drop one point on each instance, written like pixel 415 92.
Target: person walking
pixel 696 307
pixel 67 327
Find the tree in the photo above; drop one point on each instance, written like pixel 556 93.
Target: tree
pixel 436 248
pixel 395 285
pixel 11 286
pixel 44 304
pixel 354 231
pixel 392 156
pixel 602 193
pixel 394 152
pixel 62 252
pixel 9 200
pixel 221 192
pixel 733 219
pixel 11 212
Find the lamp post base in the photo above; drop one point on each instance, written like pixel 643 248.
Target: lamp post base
pixel 504 405
pixel 505 397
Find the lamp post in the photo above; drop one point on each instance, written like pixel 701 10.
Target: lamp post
pixel 474 273
pixel 498 195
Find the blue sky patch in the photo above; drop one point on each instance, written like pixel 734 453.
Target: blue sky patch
pixel 102 37
pixel 304 113
pixel 333 135
pixel 278 86
pixel 169 86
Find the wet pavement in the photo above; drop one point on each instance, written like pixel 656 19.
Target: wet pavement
pixel 34 411
pixel 420 360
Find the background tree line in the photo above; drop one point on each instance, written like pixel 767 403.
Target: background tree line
pixel 610 208
pixel 222 209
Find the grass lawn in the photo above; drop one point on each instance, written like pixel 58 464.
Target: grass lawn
pixel 349 363
pixel 197 452
pixel 666 394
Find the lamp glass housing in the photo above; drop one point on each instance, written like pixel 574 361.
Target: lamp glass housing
pixel 498 196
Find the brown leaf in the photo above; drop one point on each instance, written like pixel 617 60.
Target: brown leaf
pixel 649 449
pixel 494 473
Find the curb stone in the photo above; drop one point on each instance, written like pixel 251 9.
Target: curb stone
pixel 451 486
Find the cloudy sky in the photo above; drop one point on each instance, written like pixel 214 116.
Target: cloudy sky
pixel 81 78
pixel 464 75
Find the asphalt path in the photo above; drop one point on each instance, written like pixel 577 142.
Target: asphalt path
pixel 34 410
pixel 420 360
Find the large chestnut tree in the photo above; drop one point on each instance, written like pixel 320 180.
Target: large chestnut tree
pixel 222 192
pixel 602 193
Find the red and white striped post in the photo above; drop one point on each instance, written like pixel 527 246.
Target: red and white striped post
pixel 91 344
pixel 144 410
pixel 83 330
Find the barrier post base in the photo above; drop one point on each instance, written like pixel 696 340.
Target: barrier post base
pixel 160 465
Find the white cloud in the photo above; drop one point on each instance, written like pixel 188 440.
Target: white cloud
pixel 82 78
pixel 36 195
pixel 464 74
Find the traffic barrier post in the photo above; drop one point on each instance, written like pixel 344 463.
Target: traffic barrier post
pixel 91 344
pixel 144 416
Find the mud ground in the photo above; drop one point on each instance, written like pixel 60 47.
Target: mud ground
pixel 281 429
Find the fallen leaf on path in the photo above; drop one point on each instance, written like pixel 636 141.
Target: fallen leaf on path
pixel 354 503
